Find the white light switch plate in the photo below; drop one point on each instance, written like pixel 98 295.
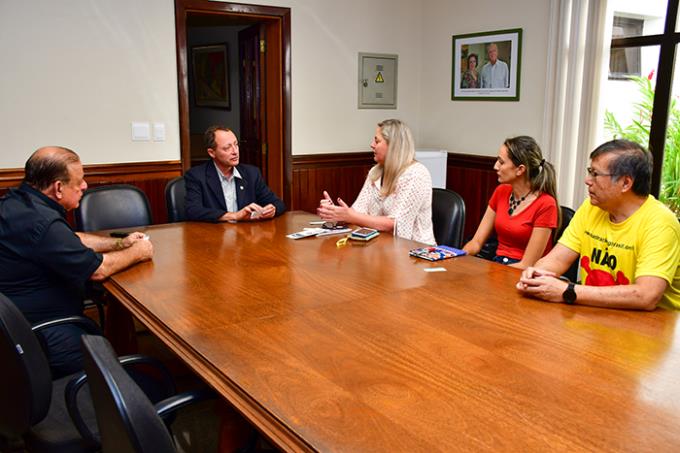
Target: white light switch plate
pixel 141 132
pixel 159 132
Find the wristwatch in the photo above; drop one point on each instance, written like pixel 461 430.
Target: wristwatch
pixel 569 295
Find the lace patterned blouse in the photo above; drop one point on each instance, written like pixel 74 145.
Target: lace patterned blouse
pixel 410 205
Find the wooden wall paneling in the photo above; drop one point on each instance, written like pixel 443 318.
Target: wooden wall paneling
pixel 474 178
pixel 341 174
pixel 10 177
pixel 150 177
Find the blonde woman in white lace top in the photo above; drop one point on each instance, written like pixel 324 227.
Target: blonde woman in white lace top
pixel 397 194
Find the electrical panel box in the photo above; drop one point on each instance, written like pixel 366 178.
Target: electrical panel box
pixel 377 81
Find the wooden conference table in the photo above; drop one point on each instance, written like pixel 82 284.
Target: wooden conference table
pixel 358 349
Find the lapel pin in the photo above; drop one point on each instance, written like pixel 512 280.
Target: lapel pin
pixel 241 187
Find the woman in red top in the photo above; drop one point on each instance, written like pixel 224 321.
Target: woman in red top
pixel 523 209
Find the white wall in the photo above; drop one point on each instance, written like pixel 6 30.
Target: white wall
pixel 78 72
pixel 479 127
pixel 327 37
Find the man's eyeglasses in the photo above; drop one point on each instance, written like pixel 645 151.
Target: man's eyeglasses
pixel 593 174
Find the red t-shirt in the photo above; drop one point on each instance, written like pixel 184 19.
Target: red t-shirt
pixel 513 232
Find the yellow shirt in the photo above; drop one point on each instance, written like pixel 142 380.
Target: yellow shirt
pixel 645 244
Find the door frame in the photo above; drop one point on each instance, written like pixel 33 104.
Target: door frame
pixel 278 84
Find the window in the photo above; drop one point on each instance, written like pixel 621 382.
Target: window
pixel 641 67
pixel 625 62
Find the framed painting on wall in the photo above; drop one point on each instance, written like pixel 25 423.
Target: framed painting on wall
pixel 486 66
pixel 210 65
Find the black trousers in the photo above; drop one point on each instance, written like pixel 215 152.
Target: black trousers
pixel 63 349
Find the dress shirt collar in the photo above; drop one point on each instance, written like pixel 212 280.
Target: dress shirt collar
pixel 234 174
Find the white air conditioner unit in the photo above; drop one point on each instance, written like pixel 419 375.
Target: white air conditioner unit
pixel 435 161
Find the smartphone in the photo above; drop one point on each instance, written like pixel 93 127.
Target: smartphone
pixel 364 234
pixel 119 234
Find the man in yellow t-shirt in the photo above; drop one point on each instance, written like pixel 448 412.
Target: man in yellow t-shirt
pixel 627 242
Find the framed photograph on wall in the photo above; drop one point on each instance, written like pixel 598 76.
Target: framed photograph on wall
pixel 486 66
pixel 210 67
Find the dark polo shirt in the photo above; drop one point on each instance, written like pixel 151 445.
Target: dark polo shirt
pixel 43 264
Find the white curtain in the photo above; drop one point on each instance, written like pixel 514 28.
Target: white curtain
pixel 578 55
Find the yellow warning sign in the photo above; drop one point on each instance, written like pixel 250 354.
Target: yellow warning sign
pixel 379 78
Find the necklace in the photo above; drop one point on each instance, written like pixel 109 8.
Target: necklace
pixel 515 202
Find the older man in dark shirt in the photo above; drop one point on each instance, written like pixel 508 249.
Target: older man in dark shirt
pixel 44 265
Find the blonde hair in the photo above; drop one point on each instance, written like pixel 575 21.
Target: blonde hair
pixel 401 153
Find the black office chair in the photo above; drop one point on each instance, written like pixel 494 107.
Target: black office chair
pixel 33 408
pixel 175 192
pixel 42 415
pixel 567 215
pixel 112 206
pixel 128 421
pixel 448 217
pixel 105 208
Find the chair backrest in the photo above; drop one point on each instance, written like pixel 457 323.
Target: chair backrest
pixel 448 217
pixel 175 191
pixel 112 206
pixel 128 421
pixel 567 215
pixel 25 379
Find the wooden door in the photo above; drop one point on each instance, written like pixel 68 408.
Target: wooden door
pixel 252 95
pixel 275 95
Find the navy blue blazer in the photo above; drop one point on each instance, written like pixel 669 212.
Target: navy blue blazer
pixel 205 199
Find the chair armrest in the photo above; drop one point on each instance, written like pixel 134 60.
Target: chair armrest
pixel 169 406
pixel 128 361
pixel 86 324
pixel 79 380
pixel 71 396
pixel 95 296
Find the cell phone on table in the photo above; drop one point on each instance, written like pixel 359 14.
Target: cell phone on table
pixel 364 234
pixel 119 234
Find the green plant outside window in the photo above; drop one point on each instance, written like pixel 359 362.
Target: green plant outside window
pixel 638 131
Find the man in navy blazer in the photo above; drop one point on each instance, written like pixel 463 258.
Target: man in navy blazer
pixel 223 190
